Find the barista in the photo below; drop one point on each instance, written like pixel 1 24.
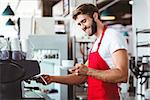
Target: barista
pixel 107 61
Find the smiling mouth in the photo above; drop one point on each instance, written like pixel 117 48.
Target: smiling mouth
pixel 86 28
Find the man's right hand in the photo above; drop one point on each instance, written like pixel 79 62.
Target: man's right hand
pixel 44 79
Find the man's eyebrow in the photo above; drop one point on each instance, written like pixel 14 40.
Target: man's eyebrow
pixel 81 21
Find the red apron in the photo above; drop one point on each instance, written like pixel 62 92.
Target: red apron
pixel 98 89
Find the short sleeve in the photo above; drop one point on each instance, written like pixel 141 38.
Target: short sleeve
pixel 117 41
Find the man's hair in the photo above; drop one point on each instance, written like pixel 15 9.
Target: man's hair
pixel 87 9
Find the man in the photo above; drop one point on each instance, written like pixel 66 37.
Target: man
pixel 107 61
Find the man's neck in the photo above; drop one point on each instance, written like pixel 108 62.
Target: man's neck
pixel 100 28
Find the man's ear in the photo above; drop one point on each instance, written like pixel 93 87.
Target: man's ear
pixel 95 16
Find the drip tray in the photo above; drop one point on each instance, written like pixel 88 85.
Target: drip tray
pixel 36 95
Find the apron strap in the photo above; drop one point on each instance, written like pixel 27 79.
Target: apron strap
pixel 101 37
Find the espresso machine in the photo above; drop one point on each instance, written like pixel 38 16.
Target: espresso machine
pixel 17 69
pixel 14 69
pixel 12 73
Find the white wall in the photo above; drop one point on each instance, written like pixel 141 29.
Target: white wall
pixel 148 5
pixel 140 13
pixel 57 9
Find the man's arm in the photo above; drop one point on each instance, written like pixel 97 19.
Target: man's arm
pixel 71 79
pixel 119 73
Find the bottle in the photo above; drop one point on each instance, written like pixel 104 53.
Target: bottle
pixel 4 49
pixel 16 49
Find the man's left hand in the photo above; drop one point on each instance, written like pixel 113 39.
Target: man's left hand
pixel 81 69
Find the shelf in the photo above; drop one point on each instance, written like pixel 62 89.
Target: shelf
pixel 144 45
pixel 142 42
pixel 143 31
pixel 51 61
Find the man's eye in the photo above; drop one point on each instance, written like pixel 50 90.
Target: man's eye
pixel 84 21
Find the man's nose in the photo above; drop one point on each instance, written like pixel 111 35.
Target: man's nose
pixel 83 27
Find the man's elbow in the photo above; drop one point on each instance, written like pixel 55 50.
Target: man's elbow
pixel 124 78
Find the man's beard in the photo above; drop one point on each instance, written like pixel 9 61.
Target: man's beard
pixel 94 28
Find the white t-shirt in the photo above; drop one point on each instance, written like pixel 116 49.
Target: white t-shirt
pixel 111 42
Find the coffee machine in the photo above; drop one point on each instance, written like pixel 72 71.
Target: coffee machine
pixel 12 73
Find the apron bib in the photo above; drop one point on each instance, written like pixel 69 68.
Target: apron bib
pixel 98 89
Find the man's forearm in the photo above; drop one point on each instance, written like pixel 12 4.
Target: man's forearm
pixel 71 79
pixel 111 75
